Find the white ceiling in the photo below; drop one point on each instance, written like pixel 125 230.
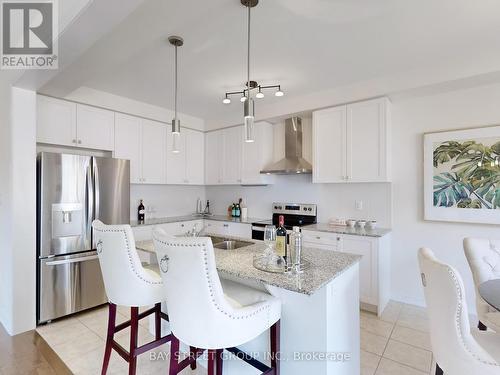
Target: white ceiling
pixel 306 46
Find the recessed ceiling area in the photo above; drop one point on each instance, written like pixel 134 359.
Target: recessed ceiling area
pixel 306 46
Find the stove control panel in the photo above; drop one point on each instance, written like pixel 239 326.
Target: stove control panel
pixel 294 209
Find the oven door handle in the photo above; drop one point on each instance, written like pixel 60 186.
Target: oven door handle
pixel 258 229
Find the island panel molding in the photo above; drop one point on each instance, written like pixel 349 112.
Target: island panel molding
pixel 462 175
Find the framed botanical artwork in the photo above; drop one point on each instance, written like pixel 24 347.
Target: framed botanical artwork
pixel 462 175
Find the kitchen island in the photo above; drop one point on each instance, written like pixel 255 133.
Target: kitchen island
pixel 320 309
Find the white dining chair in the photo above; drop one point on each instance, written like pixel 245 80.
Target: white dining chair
pixel 127 283
pixel 458 349
pixel 483 256
pixel 208 315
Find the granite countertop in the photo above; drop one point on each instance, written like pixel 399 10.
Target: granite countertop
pixel 175 219
pixel 340 229
pixel 326 265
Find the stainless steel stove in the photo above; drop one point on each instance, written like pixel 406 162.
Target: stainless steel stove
pixel 295 214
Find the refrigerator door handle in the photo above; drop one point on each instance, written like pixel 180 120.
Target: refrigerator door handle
pixel 96 188
pixel 90 199
pixel 72 260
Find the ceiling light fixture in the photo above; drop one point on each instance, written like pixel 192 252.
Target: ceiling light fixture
pixel 246 93
pixel 176 41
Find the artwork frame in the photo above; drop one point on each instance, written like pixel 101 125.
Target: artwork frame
pixel 462 175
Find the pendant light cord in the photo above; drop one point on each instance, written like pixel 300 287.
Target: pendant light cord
pixel 176 86
pixel 248 53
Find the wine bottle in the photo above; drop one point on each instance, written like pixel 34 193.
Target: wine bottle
pixel 281 238
pixel 140 212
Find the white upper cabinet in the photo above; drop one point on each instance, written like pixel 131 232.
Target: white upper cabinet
pixel 195 157
pixel 176 161
pixel 143 142
pixel 351 143
pixel 329 145
pixel 56 121
pixel 368 140
pixel 257 155
pixel 214 144
pixel 65 123
pixel 187 166
pixel 229 160
pixel 128 144
pixel 232 154
pixel 154 144
pixel 95 127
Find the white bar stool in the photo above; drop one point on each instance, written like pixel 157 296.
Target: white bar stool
pixel 483 256
pixel 203 315
pixel 127 283
pixel 458 349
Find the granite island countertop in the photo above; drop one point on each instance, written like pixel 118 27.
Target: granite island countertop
pixel 176 219
pixel 325 266
pixel 342 229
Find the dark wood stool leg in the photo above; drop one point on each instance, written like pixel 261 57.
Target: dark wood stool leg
pixel 174 352
pixel 134 327
pixel 158 321
pixel 211 354
pixel 218 361
pixel 275 347
pixel 109 337
pixel 481 326
pixel 438 370
pixel 192 353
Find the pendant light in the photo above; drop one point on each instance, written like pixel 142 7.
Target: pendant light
pixel 249 105
pixel 176 41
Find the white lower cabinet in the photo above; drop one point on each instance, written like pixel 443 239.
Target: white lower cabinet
pixel 222 228
pixel 225 228
pixel 374 266
pixel 181 227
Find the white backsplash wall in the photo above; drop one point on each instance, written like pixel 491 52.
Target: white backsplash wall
pixel 166 200
pixel 333 200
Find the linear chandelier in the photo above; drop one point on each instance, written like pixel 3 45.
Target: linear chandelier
pixel 251 86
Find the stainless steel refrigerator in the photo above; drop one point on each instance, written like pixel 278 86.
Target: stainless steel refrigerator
pixel 73 190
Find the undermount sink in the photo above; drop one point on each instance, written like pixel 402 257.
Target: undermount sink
pixel 225 244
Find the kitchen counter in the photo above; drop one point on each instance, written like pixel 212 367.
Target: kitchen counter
pixel 176 219
pixel 319 309
pixel 340 229
pixel 326 265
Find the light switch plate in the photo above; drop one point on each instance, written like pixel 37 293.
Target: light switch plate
pixel 358 205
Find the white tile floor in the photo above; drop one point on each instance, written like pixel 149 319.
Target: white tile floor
pixel 396 343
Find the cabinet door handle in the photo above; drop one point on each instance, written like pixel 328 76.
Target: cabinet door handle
pixel 74 141
pixel 226 225
pixel 318 237
pixel 79 141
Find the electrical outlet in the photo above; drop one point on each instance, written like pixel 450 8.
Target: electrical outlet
pixel 358 205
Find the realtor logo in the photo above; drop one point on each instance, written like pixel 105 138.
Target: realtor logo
pixel 29 29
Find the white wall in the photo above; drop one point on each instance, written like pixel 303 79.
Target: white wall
pixel 5 207
pixel 333 200
pixel 18 212
pixel 411 118
pixel 166 200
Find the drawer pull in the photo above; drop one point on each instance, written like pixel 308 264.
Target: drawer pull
pixel 318 237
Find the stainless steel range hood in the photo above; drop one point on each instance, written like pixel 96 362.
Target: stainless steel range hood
pixel 293 163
